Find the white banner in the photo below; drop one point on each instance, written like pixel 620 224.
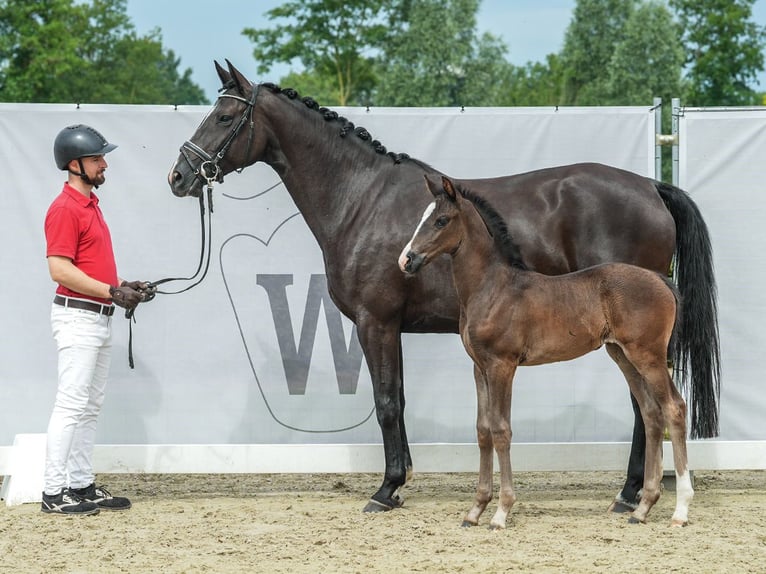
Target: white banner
pixel 721 164
pixel 211 368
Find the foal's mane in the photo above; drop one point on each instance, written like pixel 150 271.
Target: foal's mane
pixel 347 126
pixel 497 228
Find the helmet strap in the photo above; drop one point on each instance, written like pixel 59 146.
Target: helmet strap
pixel 82 173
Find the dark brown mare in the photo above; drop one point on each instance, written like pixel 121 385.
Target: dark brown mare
pixel 360 202
pixel 510 316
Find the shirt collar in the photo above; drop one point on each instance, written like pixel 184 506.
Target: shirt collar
pixel 79 197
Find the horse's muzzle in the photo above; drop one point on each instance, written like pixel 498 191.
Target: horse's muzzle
pixel 411 262
pixel 183 184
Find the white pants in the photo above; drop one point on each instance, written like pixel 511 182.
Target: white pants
pixel 84 342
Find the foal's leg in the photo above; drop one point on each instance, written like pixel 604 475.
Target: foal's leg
pixel 484 437
pixel 629 496
pixel 500 382
pixel 674 410
pixel 654 424
pixel 652 417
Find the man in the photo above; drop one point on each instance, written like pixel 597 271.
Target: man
pixel 81 261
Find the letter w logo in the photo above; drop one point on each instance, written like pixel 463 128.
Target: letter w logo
pixel 296 362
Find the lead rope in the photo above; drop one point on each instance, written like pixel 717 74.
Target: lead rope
pixel 130 314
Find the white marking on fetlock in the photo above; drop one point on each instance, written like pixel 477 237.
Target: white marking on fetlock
pixel 684 495
pixel 498 520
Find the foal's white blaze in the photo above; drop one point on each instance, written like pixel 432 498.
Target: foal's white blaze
pixel 403 255
pixel 684 495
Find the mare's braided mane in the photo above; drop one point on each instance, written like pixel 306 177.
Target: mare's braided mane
pixel 346 125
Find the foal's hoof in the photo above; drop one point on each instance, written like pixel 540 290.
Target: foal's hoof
pixel 467 524
pixel 679 523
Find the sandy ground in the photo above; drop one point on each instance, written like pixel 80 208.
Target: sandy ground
pixel 315 523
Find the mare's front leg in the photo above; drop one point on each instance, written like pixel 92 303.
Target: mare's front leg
pixel 486 460
pixel 382 350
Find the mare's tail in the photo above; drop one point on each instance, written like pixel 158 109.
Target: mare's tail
pixel 696 354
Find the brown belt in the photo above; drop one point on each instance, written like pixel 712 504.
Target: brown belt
pixel 107 310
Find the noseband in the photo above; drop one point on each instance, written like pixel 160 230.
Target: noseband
pixel 209 169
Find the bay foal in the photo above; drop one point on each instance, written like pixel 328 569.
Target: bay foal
pixel 510 316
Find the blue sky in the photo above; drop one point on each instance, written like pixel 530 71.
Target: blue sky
pixel 200 31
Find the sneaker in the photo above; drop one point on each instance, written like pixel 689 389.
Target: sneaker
pixel 101 497
pixel 68 504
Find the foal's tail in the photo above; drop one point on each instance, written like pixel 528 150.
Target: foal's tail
pixel 696 354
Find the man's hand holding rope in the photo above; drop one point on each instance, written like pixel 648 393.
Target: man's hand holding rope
pixel 130 293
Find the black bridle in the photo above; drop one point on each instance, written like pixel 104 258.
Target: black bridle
pixel 209 170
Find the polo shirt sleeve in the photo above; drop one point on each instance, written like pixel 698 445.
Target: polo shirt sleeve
pixel 61 233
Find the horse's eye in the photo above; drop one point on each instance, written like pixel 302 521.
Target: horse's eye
pixel 441 222
pixel 225 119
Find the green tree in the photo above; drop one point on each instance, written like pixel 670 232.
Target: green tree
pixel 724 51
pixel 73 51
pixel 647 61
pixel 535 84
pixel 323 89
pixel 334 40
pixel 433 57
pixel 590 40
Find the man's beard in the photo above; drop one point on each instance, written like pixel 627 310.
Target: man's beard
pixel 99 178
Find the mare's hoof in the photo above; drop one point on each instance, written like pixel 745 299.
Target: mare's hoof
pixel 679 523
pixel 621 505
pixel 467 524
pixel 634 520
pixel 496 527
pixel 376 506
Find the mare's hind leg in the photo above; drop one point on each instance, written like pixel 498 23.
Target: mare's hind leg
pixel 484 437
pixel 653 424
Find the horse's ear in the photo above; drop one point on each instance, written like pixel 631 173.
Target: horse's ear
pixel 449 189
pixel 433 187
pixel 223 74
pixel 239 80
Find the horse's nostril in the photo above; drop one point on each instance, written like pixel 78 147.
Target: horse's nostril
pixel 408 263
pixel 177 177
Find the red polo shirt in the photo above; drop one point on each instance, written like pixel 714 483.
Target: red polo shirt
pixel 75 228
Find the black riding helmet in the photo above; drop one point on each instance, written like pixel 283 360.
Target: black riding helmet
pixel 76 142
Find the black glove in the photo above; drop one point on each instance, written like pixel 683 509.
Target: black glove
pixel 147 290
pixel 125 296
